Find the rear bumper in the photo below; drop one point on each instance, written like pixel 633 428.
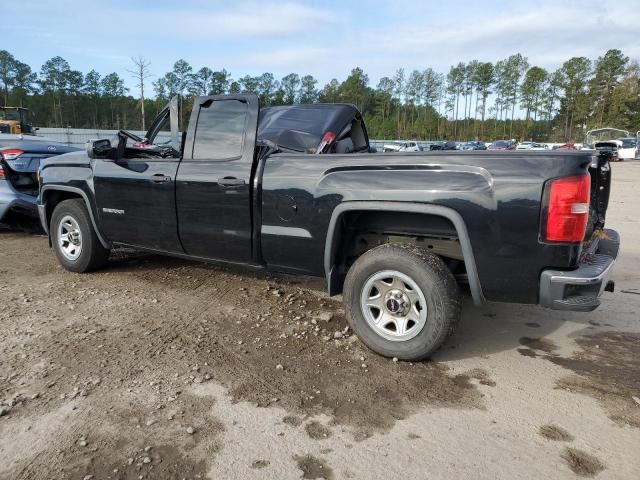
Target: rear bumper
pixel 579 290
pixel 17 202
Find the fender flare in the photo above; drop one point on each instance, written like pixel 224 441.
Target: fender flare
pixel 83 195
pixel 438 210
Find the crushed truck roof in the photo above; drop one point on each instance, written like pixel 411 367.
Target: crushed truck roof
pixel 301 127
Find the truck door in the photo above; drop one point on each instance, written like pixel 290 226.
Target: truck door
pixel 136 202
pixel 213 186
pixel 135 194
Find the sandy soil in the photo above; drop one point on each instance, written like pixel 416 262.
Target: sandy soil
pixel 158 368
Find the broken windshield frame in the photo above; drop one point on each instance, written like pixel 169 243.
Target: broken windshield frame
pixel 170 114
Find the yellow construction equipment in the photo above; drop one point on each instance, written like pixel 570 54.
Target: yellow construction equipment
pixel 15 120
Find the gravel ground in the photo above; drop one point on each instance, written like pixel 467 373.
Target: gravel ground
pixel 159 368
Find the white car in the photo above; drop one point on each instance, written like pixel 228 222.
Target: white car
pixel 532 146
pixel 627 151
pixel 401 147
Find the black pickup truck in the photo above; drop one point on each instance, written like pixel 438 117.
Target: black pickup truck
pixel 297 189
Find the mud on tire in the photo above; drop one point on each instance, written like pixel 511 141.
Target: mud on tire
pixel 419 301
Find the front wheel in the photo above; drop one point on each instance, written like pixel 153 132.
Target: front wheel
pixel 73 238
pixel 402 301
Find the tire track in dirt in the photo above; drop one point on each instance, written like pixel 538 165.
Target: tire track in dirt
pixel 150 327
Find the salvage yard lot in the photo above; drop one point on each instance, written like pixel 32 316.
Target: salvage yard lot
pixel 161 368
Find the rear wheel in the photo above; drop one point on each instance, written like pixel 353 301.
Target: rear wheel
pixel 401 301
pixel 74 240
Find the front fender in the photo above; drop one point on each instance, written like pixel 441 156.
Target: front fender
pixel 45 211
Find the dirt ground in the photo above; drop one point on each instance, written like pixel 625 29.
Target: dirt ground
pixel 159 368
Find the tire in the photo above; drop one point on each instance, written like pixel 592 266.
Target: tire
pixel 402 327
pixel 71 227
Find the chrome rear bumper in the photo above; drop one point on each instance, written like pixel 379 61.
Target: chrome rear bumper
pixel 580 289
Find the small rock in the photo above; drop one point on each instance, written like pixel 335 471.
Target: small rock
pixel 82 443
pixel 146 460
pixel 87 477
pixel 636 399
pixel 338 335
pixel 150 422
pixel 325 316
pixel 3 411
pixel 147 449
pixel 279 367
pixel 191 430
pixel 395 359
pixel 364 365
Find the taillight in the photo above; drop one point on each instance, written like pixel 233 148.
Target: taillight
pixel 567 201
pixel 11 153
pixel 325 144
pixel 1 172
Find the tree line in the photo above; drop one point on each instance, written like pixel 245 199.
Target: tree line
pixel 483 100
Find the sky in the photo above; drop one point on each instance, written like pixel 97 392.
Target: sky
pixel 325 39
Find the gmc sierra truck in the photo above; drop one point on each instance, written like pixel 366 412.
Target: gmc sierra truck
pixel 297 189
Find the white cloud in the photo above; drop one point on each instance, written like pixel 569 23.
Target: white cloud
pixel 245 21
pixel 323 39
pixel 547 32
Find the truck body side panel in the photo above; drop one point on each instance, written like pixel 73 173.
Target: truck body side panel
pixel 497 194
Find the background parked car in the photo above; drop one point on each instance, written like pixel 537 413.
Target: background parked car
pixel 401 147
pixel 532 146
pixel 569 146
pixel 473 145
pixel 444 145
pixel 610 145
pixel 20 158
pixel 502 145
pixel 627 150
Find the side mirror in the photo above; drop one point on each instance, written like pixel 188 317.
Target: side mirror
pixel 98 148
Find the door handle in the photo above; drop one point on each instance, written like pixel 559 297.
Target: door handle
pixel 231 182
pixel 160 178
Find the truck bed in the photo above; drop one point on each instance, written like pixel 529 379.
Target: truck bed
pixel 497 194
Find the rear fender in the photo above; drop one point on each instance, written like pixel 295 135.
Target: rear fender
pixel 333 238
